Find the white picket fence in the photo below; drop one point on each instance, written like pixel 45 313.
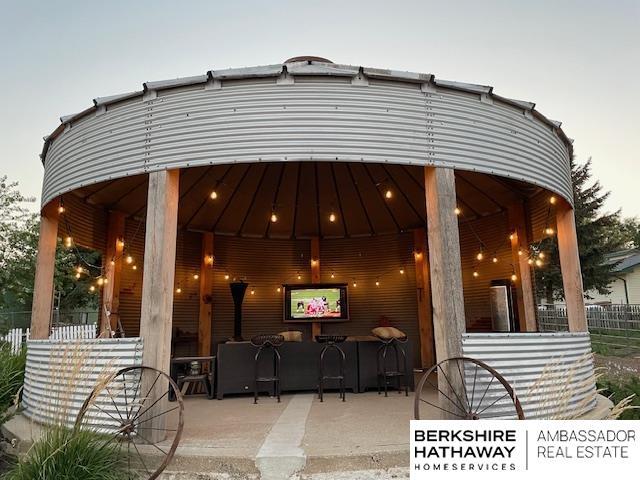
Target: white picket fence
pixel 18 336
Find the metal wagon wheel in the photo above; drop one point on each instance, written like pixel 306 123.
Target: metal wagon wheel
pixel 117 409
pixel 463 391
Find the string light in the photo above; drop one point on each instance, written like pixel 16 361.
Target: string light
pixel 135 267
pixel 106 280
pixel 92 288
pixel 333 275
pixel 549 231
pixel 178 290
pixel 541 255
pixel 494 259
pixel 476 274
pixel 253 292
pixel 514 277
pixel 100 281
pixel 278 289
pixel 196 276
pixel 120 243
pixel 274 217
pixel 388 194
pixel 314 262
pixel 213 195
pixel 552 200
pixel 377 283
pixel 112 262
pixel 61 208
pixel 299 276
pixel 530 261
pixel 79 269
pixel 129 259
pixel 418 255
pixel 208 259
pixel 226 277
pixel 538 262
pixel 480 255
pixel 520 253
pixel 68 241
pixel 77 275
pixel 332 217
pixel 355 284
pixel 512 236
pixel 457 211
pixel 402 271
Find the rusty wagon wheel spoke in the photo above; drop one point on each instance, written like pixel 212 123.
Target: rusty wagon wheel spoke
pixel 476 380
pixel 152 451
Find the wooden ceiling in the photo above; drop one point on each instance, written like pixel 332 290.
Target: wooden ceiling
pixel 303 195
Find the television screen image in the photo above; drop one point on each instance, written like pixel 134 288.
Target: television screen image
pixel 318 302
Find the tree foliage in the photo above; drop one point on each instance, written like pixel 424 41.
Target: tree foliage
pixel 598 233
pixel 19 231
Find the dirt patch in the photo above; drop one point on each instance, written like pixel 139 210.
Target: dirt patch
pixel 618 367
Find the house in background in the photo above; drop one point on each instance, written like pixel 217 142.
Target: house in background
pixel 626 288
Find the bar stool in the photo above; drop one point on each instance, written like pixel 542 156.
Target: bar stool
pixel 266 343
pixel 399 373
pixel 331 342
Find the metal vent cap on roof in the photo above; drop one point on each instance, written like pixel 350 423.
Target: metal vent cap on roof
pixel 307 58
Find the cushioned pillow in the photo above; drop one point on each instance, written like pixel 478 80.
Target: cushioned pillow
pixel 292 336
pixel 388 332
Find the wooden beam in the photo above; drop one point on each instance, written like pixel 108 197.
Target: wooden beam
pixel 45 267
pixel 423 292
pixel 205 318
pixel 446 279
pixel 109 313
pixel 524 286
pixel 570 267
pixel 157 288
pixel 316 327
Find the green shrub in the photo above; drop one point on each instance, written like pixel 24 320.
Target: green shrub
pixel 617 389
pixel 64 454
pixel 11 377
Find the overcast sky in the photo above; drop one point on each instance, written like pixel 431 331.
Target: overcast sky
pixel 579 61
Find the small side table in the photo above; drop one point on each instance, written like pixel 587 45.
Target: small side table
pixel 196 373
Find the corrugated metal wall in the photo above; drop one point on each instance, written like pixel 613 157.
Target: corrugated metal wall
pixel 552 373
pixel 493 231
pixel 60 375
pixel 366 260
pixel 265 265
pixel 131 280
pixel 315 119
pixel 87 224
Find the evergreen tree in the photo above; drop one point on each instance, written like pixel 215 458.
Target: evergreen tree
pixel 598 233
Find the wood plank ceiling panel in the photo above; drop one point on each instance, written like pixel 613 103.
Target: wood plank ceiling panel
pixel 307 225
pixel 286 202
pixel 231 220
pixel 258 218
pixel 355 217
pixel 373 200
pixel 195 196
pixel 329 203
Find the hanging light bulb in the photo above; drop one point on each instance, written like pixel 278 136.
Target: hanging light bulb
pixel 314 262
pixel 332 217
pixel 129 259
pixel 278 289
pixel 274 217
pixel 112 262
pixel 92 288
pixel 530 261
pixel 514 277
pixel 100 281
pixel 135 267
pixel 196 276
pixel 61 208
pixel 333 275
pixel 480 255
pixel 120 243
pixel 457 211
pixel 494 259
pixel 68 241
pixel 476 274
pixel 520 252
pixel 79 269
pixel 549 231
pixel 178 290
pixel 377 283
pixel 538 262
pixel 355 284
pixel 77 275
pixel 512 236
pixel 388 194
pixel 106 280
pixel 552 200
pixel 402 271
pixel 253 292
pixel 541 255
pixel 418 255
pixel 299 276
pixel 213 195
pixel 208 259
pixel 226 277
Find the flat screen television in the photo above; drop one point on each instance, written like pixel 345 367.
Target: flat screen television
pixel 320 302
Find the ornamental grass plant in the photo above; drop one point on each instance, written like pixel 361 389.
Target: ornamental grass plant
pixel 11 378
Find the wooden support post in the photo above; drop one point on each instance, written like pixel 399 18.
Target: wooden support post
pixel 423 292
pixel 446 278
pixel 524 285
pixel 45 266
pixel 157 288
pixel 109 313
pixel 316 327
pixel 570 267
pixel 206 285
